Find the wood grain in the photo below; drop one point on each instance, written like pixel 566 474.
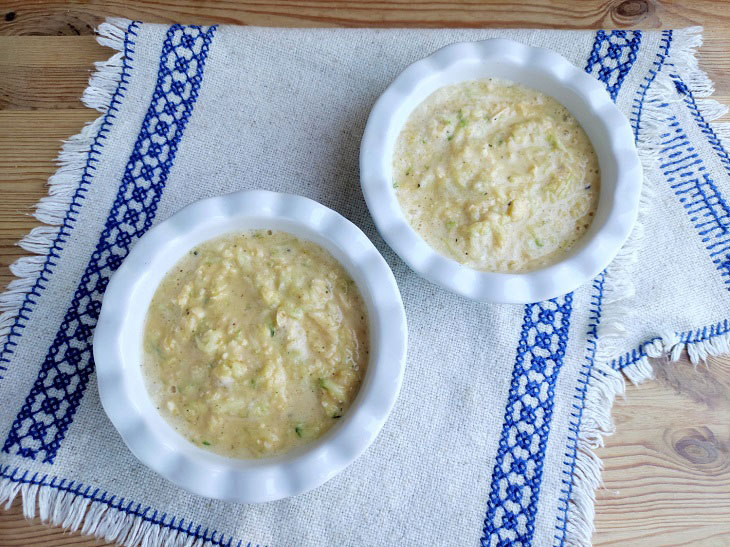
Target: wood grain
pixel 76 18
pixel 16 531
pixel 667 469
pixel 29 143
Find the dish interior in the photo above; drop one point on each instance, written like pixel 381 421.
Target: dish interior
pixel 495 175
pixel 132 331
pixel 539 79
pixel 255 342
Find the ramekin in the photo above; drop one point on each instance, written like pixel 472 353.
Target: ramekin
pixel 541 69
pixel 118 349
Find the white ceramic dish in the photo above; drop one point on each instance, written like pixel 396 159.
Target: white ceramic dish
pixel 118 343
pixel 546 71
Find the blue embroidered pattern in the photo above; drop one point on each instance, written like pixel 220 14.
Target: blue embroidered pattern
pixel 49 408
pixel 517 474
pixel 697 336
pixel 705 127
pixel 676 141
pixel 69 220
pixel 661 57
pixel 700 196
pixel 613 55
pixel 594 319
pixel 688 177
pixel 577 406
pixel 708 211
pixel 516 478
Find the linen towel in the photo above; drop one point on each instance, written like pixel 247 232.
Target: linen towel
pixel 491 439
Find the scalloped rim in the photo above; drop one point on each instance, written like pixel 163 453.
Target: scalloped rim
pixel 546 71
pixel 117 353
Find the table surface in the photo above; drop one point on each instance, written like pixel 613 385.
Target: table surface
pixel 667 469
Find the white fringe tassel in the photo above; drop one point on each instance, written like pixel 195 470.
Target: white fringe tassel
pixel 605 382
pixel 77 513
pixel 57 507
pixel 71 161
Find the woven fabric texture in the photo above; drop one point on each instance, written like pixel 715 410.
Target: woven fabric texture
pixel 490 441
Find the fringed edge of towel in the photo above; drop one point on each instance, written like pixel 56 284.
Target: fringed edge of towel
pixel 71 510
pixel 55 210
pixel 605 383
pixel 77 512
pixel 70 506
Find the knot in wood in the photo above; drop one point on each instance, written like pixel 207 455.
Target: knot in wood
pixel 697 449
pixel 632 8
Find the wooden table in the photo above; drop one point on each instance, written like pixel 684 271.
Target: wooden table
pixel 667 469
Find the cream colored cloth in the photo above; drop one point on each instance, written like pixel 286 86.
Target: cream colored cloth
pixel 490 439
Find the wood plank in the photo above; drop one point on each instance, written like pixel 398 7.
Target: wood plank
pixel 667 472
pixel 78 18
pixel 52 72
pixel 46 71
pixel 714 57
pixel 16 531
pixel 29 145
pixel 51 51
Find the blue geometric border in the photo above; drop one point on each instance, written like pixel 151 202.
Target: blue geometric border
pixel 612 56
pixel 512 504
pixel 697 336
pixel 577 407
pixel 704 126
pixel 584 375
pixel 677 150
pixel 697 192
pixel 95 495
pixel 517 474
pixel 69 220
pixel 49 408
